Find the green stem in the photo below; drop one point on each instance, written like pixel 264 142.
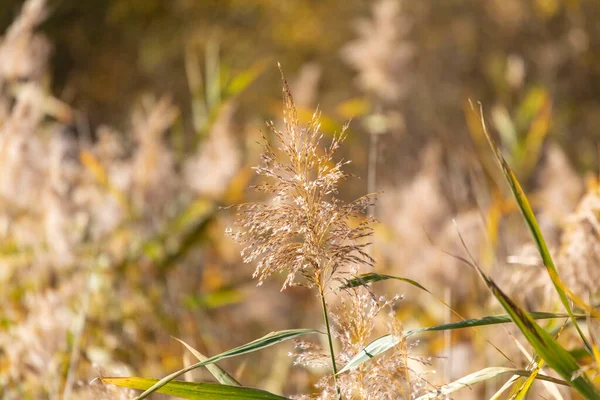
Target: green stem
pixel 331 352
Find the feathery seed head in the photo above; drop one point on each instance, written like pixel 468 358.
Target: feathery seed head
pixel 355 323
pixel 305 229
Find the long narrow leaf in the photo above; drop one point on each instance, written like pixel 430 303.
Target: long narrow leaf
pixel 576 299
pixel 506 386
pixel 490 320
pixel 196 391
pixel 524 389
pixel 376 347
pixel 533 226
pixel 371 277
pixel 480 376
pixel 219 373
pixel 386 342
pixel 557 357
pixel 368 278
pixel 258 344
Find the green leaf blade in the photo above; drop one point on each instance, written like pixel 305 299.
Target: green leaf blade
pixel 371 277
pixel 194 390
pixel 557 357
pixel 220 374
pixel 524 389
pixel 533 226
pixel 258 344
pixel 373 349
pixel 480 376
pixel 384 343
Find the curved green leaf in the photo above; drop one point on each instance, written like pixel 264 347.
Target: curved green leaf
pixel 489 320
pixel 371 277
pixel 195 391
pixel 258 344
pixel 219 373
pixel 524 389
pixel 480 376
pixel 373 349
pixel 386 342
pixel 556 356
pixel 533 226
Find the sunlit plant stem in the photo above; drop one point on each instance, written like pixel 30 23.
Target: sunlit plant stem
pixel 331 351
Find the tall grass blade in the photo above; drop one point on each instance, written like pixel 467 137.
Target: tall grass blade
pixel 196 391
pixel 489 320
pixel 533 226
pixel 219 373
pixel 386 342
pixel 258 344
pixel 556 356
pixel 524 389
pixel 506 386
pixel 367 278
pixel 594 312
pixel 480 376
pixel 371 277
pixel 373 349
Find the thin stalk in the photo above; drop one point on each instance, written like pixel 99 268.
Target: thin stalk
pixel 372 168
pixel 448 335
pixel 331 352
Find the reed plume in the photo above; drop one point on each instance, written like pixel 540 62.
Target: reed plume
pixel 355 322
pixel 305 229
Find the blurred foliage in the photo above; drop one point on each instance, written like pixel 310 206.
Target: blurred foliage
pixel 108 52
pixel 140 207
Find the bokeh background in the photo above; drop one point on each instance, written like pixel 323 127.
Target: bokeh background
pixel 126 127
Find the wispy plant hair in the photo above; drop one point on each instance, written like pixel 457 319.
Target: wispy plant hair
pixel 305 229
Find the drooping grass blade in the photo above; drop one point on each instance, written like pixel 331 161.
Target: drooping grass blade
pixel 386 342
pixel 195 391
pixel 219 373
pixel 258 344
pixel 556 356
pixel 480 376
pixel 533 226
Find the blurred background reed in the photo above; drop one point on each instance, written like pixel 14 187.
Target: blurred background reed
pixel 126 126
